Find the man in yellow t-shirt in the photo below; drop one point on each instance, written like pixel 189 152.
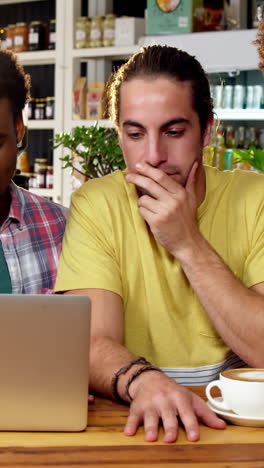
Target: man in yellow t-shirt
pixel 171 253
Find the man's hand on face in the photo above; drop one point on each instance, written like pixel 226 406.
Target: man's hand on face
pixel 157 397
pixel 168 208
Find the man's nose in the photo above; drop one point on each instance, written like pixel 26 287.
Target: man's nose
pixel 155 154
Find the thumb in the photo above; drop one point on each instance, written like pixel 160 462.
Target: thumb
pixel 190 184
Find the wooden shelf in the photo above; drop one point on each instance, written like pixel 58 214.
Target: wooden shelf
pixel 240 114
pixel 40 124
pixel 105 52
pixel 40 57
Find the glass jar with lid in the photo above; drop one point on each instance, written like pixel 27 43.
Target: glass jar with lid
pixel 21 37
pixel 49 177
pixel 39 112
pixel 81 29
pixel 3 38
pixel 41 176
pixel 96 34
pixel 50 107
pixel 31 109
pixel 39 162
pixel 109 30
pixel 52 34
pixel 36 36
pixel 10 36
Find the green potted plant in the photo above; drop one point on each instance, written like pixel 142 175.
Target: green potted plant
pixel 95 151
pixel 254 156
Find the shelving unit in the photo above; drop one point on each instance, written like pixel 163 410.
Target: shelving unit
pixel 56 58
pixel 41 124
pixel 225 51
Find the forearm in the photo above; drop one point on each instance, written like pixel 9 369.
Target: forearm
pixel 236 311
pixel 106 358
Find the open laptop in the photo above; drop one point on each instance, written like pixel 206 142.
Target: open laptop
pixel 44 357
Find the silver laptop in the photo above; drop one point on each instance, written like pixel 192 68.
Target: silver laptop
pixel 44 357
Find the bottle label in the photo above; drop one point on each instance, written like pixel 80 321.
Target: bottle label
pixel 96 34
pixel 80 35
pixel 19 40
pixel 52 38
pixel 109 33
pixel 9 43
pixel 49 180
pixel 40 180
pixel 33 38
pixel 49 112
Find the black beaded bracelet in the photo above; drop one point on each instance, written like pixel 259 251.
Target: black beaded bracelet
pixel 123 370
pixel 138 372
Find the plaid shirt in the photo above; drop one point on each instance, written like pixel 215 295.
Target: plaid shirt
pixel 31 238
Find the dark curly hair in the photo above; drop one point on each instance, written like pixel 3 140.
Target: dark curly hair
pixel 259 42
pixel 14 83
pixel 154 61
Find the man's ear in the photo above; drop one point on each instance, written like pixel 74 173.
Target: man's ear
pixel 208 130
pixel 20 129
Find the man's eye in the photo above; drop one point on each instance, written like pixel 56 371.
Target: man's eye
pixel 134 135
pixel 175 133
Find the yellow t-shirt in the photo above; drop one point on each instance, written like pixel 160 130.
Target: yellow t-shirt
pixel 107 245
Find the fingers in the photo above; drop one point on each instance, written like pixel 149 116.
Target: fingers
pixel 189 420
pixel 190 184
pixel 170 425
pixel 206 415
pixel 133 422
pixel 151 425
pixel 146 183
pixel 158 177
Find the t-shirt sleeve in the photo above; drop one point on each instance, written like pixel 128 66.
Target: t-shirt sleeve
pixel 254 264
pixel 88 258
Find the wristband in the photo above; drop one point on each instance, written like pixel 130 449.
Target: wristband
pixel 138 372
pixel 123 370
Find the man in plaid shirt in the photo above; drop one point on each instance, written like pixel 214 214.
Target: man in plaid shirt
pixel 31 227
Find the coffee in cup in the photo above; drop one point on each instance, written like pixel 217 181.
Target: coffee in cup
pixel 242 392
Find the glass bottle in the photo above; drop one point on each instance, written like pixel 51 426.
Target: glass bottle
pixel 230 137
pixel 96 34
pixel 109 30
pixel 49 177
pixel 241 138
pixel 52 34
pixel 50 107
pixel 36 36
pixel 81 27
pixel 10 36
pixel 219 150
pixel 21 37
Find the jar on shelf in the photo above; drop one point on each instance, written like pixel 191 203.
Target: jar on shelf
pixel 32 183
pixel 52 34
pixel 96 33
pixel 21 37
pixel 10 36
pixel 49 177
pixel 39 162
pixel 41 176
pixel 23 163
pixel 81 29
pixel 31 109
pixel 39 112
pixel 2 38
pixel 50 107
pixel 109 30
pixel 36 36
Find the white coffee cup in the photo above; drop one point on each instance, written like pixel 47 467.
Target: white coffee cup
pixel 242 392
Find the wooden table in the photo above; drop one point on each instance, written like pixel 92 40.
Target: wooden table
pixel 103 444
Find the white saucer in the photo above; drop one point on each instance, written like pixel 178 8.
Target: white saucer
pixel 235 418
